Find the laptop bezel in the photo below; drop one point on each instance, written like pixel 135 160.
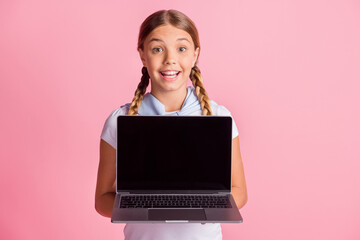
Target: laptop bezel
pixel 169 191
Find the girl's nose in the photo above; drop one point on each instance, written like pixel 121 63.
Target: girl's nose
pixel 170 58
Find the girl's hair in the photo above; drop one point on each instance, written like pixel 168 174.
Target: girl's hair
pixel 181 21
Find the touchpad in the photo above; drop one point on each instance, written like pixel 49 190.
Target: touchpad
pixel 177 214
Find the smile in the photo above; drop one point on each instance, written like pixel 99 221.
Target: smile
pixel 170 75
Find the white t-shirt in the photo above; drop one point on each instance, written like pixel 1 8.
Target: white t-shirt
pixel 166 231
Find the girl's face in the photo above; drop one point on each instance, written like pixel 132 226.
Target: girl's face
pixel 168 55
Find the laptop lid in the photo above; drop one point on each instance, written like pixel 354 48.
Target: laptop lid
pixel 174 153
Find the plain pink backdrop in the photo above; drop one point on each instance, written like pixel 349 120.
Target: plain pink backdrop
pixel 287 70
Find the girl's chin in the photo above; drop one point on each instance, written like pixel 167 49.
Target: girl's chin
pixel 168 86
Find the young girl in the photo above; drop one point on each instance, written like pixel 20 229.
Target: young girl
pixel 169 48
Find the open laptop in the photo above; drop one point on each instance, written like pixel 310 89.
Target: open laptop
pixel 174 169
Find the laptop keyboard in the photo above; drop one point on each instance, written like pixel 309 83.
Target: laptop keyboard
pixel 175 201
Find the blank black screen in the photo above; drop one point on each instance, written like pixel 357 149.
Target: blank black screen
pixel 174 152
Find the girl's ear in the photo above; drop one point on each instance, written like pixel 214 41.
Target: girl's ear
pixel 142 57
pixel 196 54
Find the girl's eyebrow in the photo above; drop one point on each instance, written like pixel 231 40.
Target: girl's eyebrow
pixel 159 40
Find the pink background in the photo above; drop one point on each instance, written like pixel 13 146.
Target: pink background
pixel 287 70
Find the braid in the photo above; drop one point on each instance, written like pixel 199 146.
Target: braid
pixel 139 93
pixel 197 81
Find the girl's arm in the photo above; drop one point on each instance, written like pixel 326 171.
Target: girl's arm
pixel 105 186
pixel 238 189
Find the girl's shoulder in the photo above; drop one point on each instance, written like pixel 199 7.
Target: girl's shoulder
pixel 112 117
pixel 122 110
pixel 219 110
pixel 108 133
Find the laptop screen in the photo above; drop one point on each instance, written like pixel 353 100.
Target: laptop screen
pixel 174 153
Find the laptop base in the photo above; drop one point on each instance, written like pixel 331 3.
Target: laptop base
pixel 175 215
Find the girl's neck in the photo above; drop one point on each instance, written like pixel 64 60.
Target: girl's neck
pixel 172 100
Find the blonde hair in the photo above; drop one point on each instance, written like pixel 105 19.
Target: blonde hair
pixel 179 20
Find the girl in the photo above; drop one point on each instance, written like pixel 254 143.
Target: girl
pixel 169 48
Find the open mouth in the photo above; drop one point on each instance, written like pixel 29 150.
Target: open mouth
pixel 170 75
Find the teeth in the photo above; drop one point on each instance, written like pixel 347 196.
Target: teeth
pixel 169 73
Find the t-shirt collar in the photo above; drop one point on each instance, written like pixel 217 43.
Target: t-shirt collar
pixel 150 105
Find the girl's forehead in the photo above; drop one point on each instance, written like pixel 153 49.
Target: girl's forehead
pixel 168 32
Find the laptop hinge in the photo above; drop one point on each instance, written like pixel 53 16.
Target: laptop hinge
pixel 171 192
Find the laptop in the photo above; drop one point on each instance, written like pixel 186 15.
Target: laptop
pixel 174 169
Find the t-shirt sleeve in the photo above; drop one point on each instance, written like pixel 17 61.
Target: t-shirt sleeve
pixel 223 111
pixel 109 132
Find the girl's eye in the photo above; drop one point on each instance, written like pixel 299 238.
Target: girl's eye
pixel 156 50
pixel 182 49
